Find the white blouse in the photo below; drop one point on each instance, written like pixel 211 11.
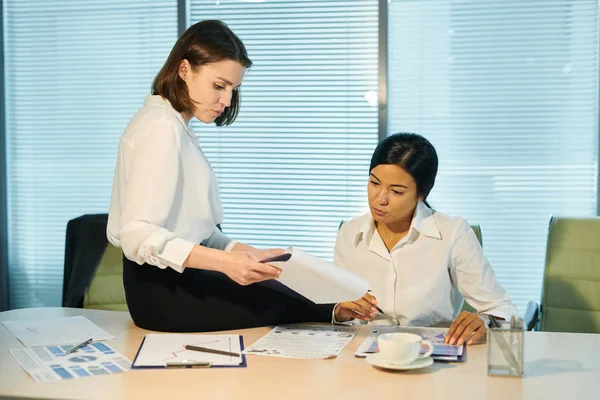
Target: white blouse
pixel 165 195
pixel 422 281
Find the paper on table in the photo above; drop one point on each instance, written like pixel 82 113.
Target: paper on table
pixel 56 331
pixel 441 351
pixel 303 341
pixel 52 363
pixel 159 349
pixel 319 280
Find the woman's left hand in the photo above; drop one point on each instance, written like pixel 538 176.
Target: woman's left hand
pixel 467 327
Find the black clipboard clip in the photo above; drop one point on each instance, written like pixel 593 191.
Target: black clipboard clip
pixel 282 257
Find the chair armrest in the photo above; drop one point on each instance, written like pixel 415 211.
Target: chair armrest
pixel 530 318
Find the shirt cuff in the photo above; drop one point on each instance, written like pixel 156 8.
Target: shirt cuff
pixel 217 240
pixel 230 245
pixel 176 251
pixel 335 321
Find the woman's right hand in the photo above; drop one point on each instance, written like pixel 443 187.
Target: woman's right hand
pixel 243 267
pixel 362 308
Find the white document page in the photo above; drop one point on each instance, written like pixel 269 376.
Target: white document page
pixel 52 363
pixel 303 341
pixel 57 331
pixel 319 280
pixel 160 349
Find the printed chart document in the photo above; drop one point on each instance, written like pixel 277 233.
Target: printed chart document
pixel 158 350
pixel 441 350
pixel 52 363
pixel 319 280
pixel 57 331
pixel 303 341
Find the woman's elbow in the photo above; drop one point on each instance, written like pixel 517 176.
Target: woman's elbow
pixel 130 245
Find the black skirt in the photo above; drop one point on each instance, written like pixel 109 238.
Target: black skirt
pixel 203 301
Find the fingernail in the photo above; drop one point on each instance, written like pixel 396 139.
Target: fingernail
pixel 451 341
pixel 470 342
pixel 460 342
pixel 373 309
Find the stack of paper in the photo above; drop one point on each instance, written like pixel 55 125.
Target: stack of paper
pixel 54 338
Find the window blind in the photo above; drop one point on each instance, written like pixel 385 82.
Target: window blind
pixel 295 162
pixel 76 72
pixel 507 91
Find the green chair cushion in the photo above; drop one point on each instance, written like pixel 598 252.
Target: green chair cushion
pixel 106 290
pixel 571 289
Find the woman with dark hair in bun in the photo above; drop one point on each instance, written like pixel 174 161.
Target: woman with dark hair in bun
pixel 420 263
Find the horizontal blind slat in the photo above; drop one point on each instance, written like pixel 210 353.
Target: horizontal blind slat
pixel 76 72
pixel 507 91
pixel 303 140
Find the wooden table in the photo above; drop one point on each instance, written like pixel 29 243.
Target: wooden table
pixel 557 366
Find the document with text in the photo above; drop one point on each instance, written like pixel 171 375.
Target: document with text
pixel 56 331
pixel 303 341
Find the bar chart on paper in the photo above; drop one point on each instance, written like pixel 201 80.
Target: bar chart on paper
pixel 52 363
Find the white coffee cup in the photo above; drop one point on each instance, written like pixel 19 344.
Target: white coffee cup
pixel 402 348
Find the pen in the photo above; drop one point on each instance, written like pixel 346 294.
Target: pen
pixel 374 305
pixel 493 322
pixel 79 346
pixel 212 351
pixel 378 309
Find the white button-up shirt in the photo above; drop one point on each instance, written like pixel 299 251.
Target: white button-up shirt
pixel 165 194
pixel 422 280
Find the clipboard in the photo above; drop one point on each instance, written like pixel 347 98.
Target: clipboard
pixel 197 355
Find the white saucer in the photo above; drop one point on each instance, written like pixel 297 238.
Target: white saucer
pixel 377 360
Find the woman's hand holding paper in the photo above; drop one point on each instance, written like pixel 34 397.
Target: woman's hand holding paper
pixel 244 267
